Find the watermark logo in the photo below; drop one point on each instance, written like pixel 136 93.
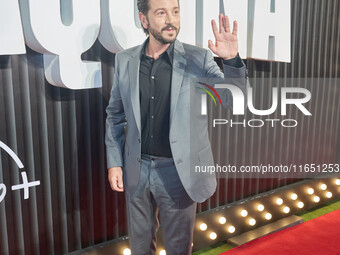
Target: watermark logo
pixel 240 102
pixel 204 97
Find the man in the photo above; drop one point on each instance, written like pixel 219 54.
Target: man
pixel 147 127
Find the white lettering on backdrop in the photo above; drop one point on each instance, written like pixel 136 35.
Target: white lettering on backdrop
pixel 11 34
pixel 264 31
pixel 63 45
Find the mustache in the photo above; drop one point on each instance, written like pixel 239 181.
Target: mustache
pixel 170 26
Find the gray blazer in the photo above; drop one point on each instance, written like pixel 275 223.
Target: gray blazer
pixel 188 136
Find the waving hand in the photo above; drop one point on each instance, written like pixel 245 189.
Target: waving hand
pixel 226 45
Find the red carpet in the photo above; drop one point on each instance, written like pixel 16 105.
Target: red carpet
pixel 320 236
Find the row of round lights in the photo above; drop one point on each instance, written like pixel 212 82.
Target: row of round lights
pixel 268 216
pixel 286 209
pixel 260 207
pixel 251 221
pixel 323 187
pixel 222 220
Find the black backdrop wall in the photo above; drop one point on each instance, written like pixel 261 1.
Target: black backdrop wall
pixel 59 136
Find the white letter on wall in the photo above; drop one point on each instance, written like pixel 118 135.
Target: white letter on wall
pixel 11 34
pixel 209 10
pixel 238 10
pixel 62 45
pixel 188 21
pixel 271 30
pixel 120 28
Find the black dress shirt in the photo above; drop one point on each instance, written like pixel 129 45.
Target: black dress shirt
pixel 154 93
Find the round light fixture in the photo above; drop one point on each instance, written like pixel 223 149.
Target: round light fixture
pixel 222 220
pixel 300 205
pixel 316 199
pixel 260 207
pixel 286 209
pixel 279 201
pixel 310 191
pixel 252 222
pixel 213 235
pixel 231 229
pixel 268 216
pixel 329 194
pixel 244 213
pixel 127 251
pixel 203 227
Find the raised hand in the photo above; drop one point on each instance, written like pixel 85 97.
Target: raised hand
pixel 226 45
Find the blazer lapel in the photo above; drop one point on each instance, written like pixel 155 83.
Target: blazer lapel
pixel 134 64
pixel 178 69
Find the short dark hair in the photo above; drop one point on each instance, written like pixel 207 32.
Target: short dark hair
pixel 143 7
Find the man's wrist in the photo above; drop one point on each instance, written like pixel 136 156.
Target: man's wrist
pixel 234 62
pixel 113 167
pixel 230 57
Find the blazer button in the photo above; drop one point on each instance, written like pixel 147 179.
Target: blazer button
pixel 138 159
pixel 139 140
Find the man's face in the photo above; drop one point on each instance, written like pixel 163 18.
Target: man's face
pixel 163 20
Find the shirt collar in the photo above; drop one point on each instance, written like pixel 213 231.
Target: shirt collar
pixel 169 51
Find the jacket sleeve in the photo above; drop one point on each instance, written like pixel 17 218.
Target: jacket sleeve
pixel 115 124
pixel 232 75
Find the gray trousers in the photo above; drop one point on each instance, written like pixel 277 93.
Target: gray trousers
pixel 160 190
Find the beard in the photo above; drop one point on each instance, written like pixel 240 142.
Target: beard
pixel 159 36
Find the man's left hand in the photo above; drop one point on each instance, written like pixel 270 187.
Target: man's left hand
pixel 226 46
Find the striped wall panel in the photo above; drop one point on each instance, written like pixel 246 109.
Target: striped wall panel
pixel 59 136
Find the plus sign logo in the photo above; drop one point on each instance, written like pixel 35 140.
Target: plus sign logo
pixel 25 185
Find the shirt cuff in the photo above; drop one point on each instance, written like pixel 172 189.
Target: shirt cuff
pixel 234 62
